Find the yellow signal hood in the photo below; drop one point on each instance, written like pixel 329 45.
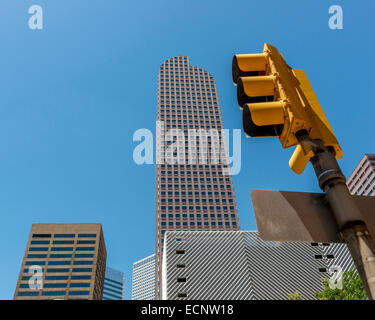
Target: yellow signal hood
pixel 257 86
pixel 243 64
pixel 267 113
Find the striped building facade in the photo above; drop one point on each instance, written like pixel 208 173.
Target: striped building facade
pixel 239 265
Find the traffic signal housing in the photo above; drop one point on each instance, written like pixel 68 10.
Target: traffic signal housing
pixel 279 101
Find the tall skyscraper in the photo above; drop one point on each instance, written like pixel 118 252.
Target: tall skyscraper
pixel 239 265
pixel 362 181
pixel 63 261
pixel 114 285
pixel 191 193
pixel 143 283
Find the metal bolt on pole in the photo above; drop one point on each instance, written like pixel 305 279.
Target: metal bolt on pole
pixel 352 228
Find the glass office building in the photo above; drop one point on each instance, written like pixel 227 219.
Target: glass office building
pixel 114 285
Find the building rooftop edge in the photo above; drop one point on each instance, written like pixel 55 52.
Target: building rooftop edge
pixel 151 255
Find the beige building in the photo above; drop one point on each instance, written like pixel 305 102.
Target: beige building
pixel 63 261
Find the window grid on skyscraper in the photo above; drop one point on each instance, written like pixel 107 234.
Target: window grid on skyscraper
pixel 190 196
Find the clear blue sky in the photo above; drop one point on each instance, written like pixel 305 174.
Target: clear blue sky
pixel 73 93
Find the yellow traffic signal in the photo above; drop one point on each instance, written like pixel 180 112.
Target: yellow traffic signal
pixel 279 101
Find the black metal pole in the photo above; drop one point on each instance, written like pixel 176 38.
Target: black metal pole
pixel 352 228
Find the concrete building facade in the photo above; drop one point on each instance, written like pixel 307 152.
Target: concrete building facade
pixel 63 261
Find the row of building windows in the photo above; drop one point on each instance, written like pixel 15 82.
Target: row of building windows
pixel 191 156
pixel 185 81
pixel 192 166
pixel 113 286
pixel 186 146
pixel 62 248
pixel 182 179
pixel 177 83
pixel 184 64
pixel 196 200
pixel 53 293
pixel 183 97
pixel 181 143
pixel 63 242
pixel 115 290
pixel 199 224
pixel 205 110
pixel 196 186
pixel 196 193
pixel 185 126
pixel 188 197
pixel 58 263
pixel 55 278
pixel 207 102
pixel 198 123
pixel 70 235
pixel 365 191
pixel 57 256
pixel 184 119
pixel 194 93
pixel 186 98
pixel 191 136
pixel 189 107
pixel 59 285
pixel 197 208
pixel 361 171
pixel 62 270
pixel 173 88
pixel 366 184
pixel 185 75
pixel 176 78
pixel 188 118
pixel 197 215
pixel 111 296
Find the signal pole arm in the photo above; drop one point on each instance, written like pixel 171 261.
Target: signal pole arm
pixel 347 215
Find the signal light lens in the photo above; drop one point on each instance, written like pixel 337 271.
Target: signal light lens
pixel 253 130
